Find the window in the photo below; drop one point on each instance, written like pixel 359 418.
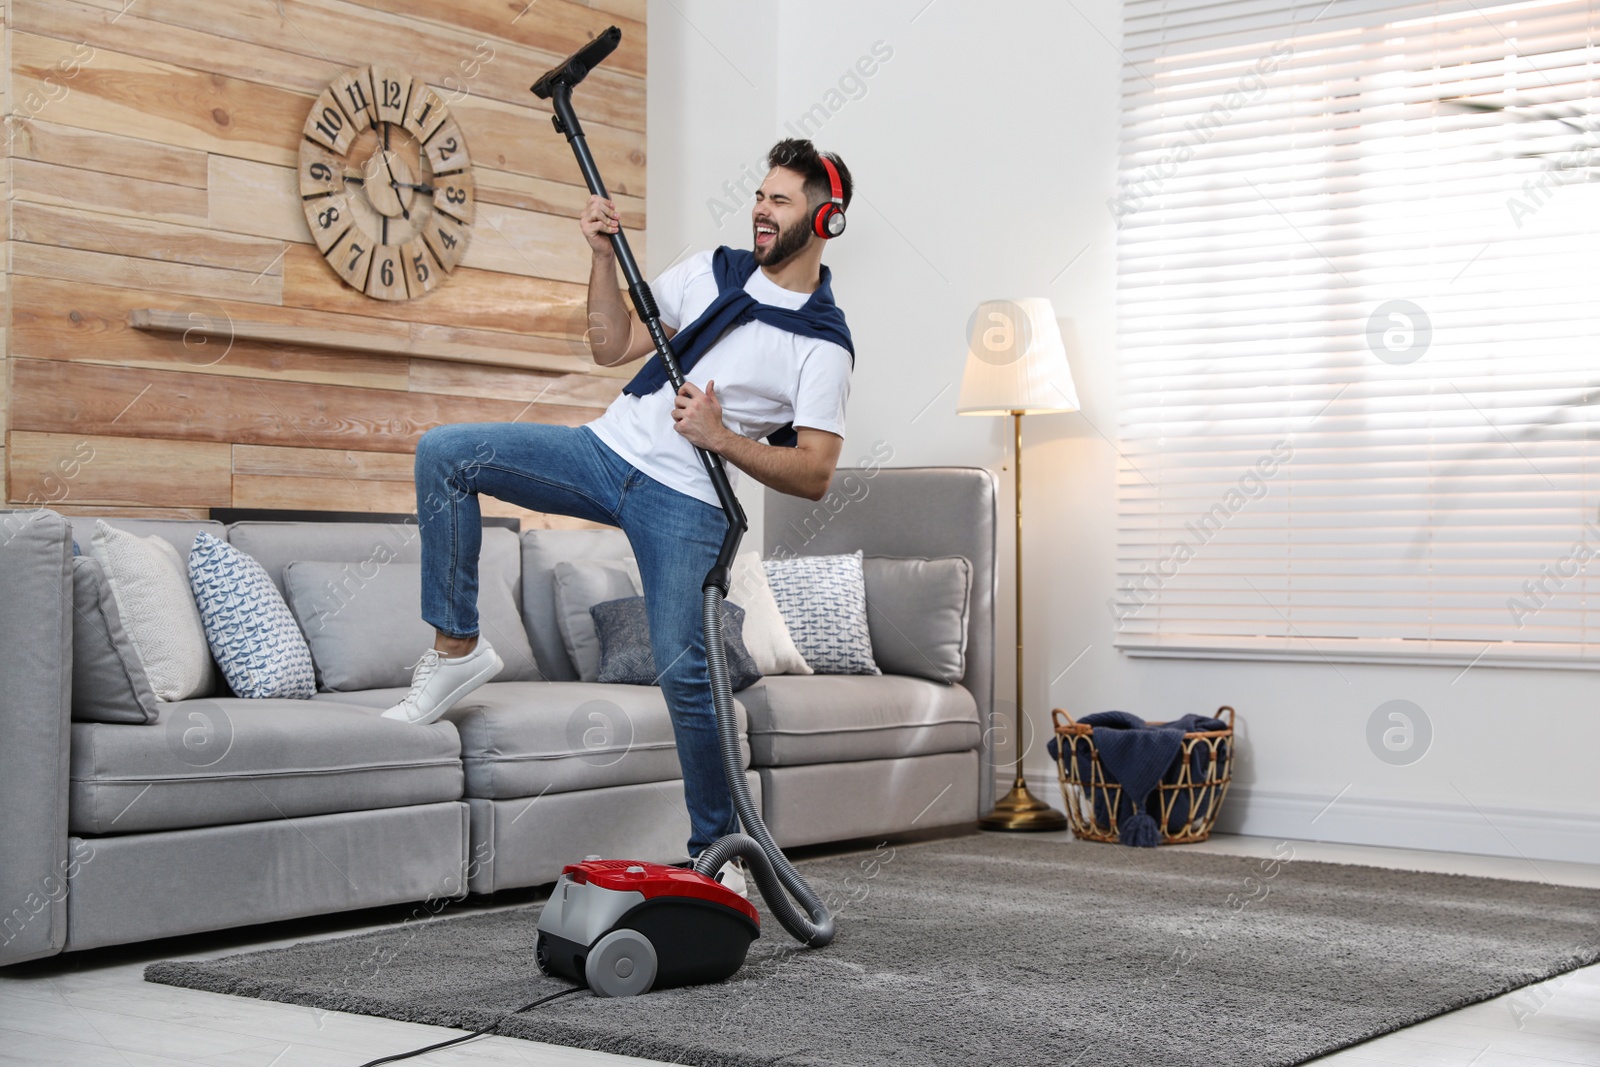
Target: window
pixel 1358 289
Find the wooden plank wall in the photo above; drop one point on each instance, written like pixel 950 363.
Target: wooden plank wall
pixel 151 150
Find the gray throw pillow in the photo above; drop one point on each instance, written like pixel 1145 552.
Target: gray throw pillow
pixel 579 586
pixel 626 657
pixel 108 681
pixel 367 632
pixel 917 613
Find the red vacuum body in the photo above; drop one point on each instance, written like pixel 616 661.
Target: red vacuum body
pixel 625 927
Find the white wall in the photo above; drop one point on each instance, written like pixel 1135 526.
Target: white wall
pixel 984 150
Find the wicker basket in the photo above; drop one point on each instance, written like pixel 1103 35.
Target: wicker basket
pixel 1203 795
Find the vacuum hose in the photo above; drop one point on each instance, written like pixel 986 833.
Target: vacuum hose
pixel 775 876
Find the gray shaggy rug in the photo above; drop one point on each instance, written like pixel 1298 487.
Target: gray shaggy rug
pixel 997 949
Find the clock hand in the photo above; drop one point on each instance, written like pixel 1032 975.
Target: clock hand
pixel 424 189
pixel 393 183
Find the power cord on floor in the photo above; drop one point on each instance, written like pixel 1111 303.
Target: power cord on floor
pixel 491 1028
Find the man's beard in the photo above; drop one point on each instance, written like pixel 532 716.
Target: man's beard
pixel 785 244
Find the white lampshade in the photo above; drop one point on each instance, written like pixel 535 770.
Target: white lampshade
pixel 1015 361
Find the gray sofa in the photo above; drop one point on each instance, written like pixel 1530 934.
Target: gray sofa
pixel 226 812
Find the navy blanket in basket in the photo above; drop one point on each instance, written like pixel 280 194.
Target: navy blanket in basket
pixel 1137 756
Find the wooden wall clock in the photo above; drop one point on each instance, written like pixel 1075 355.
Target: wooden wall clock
pixel 386 184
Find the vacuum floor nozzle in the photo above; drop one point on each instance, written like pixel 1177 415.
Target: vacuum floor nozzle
pixel 577 66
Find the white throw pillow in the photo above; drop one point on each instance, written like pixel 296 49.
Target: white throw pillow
pixel 766 635
pixel 151 585
pixel 824 602
pixel 261 651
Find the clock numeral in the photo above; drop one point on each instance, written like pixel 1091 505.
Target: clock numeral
pixel 352 92
pixel 426 114
pixel 352 260
pixel 328 126
pixel 356 93
pixel 330 123
pixel 453 196
pixel 420 277
pixel 321 172
pixel 388 277
pixel 328 218
pixel 447 239
pixel 447 149
pixel 390 88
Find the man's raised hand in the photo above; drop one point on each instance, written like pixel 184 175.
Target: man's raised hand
pixel 598 221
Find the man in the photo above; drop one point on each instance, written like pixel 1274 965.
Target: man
pixel 781 370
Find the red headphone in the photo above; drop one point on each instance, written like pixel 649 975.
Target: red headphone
pixel 829 218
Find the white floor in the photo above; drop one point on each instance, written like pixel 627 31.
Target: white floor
pixel 86 1010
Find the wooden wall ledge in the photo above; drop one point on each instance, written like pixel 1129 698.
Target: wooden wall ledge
pixel 155 320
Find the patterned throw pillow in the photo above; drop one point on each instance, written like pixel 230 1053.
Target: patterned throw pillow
pixel 823 600
pixel 627 658
pixel 248 626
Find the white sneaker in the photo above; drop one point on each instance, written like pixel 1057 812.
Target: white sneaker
pixel 439 681
pixel 732 877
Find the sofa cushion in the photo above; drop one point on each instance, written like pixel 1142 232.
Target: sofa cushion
pixel 369 547
pixel 837 718
pixel 150 581
pixel 108 681
pixel 541 551
pixel 369 635
pixel 917 614
pixel 579 586
pixel 524 739
pixel 824 603
pixel 229 760
pixel 251 632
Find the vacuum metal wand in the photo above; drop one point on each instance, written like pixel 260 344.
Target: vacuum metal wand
pixel 775 877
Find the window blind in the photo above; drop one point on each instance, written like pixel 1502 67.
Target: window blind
pixel 1358 285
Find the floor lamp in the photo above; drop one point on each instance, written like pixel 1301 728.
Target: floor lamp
pixel 1016 365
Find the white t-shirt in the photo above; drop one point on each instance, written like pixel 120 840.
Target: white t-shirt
pixel 766 378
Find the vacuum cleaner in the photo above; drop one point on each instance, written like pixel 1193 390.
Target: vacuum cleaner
pixel 624 927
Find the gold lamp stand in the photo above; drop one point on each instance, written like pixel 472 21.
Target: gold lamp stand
pixel 1020 810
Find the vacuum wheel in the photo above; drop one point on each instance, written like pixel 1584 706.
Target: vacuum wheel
pixel 541 954
pixel 621 964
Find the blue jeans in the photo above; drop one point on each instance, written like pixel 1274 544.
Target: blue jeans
pixel 567 470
